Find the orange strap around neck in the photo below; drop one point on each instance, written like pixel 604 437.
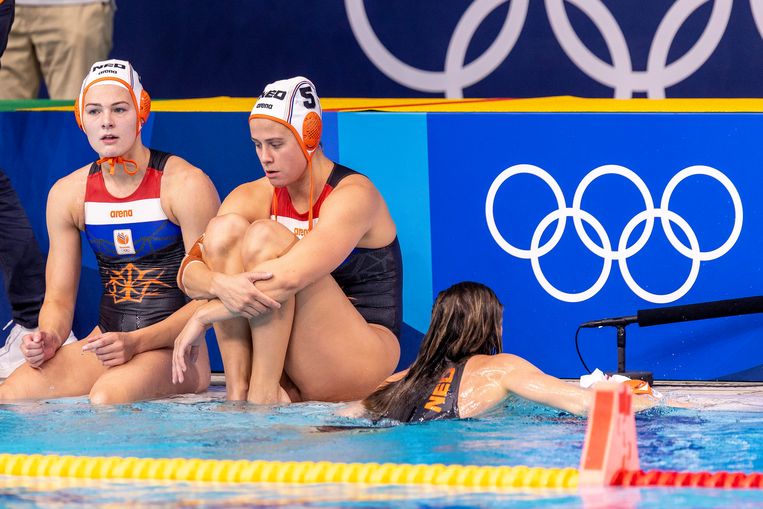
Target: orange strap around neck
pixel 310 211
pixel 114 161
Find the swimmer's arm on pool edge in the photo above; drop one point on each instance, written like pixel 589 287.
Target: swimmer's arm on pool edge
pixel 527 381
pixel 520 377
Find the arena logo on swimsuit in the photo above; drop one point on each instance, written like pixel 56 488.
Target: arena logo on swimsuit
pixel 121 213
pixel 440 391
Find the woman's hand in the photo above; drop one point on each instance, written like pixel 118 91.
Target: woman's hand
pixel 187 343
pixel 644 401
pixel 111 348
pixel 239 295
pixel 40 346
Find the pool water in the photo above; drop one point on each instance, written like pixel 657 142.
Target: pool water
pixel 726 433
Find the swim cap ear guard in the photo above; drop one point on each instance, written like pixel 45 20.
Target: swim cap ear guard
pixel 115 72
pixel 294 103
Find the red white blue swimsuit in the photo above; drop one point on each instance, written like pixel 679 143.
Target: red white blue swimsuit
pixel 138 250
pixel 371 278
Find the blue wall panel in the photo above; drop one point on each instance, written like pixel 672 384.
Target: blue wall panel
pixel 391 149
pixel 469 152
pixel 435 171
pixel 194 48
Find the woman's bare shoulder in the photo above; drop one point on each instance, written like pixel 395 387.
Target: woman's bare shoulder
pixel 359 185
pixel 250 199
pixel 180 172
pixel 78 176
pixel 71 186
pixel 66 199
pixel 500 360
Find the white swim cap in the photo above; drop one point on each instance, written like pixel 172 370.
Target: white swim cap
pixel 115 72
pixel 294 103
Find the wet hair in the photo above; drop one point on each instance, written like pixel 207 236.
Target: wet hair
pixel 466 321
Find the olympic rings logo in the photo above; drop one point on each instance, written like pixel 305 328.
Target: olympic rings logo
pixel 619 74
pixel 604 249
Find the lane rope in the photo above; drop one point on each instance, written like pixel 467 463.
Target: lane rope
pixel 294 472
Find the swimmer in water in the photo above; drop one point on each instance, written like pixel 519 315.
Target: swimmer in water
pixel 460 370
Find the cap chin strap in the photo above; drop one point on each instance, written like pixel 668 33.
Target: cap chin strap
pixel 114 161
pixel 310 211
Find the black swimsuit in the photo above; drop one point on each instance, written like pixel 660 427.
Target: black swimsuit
pixel 442 402
pixel 372 279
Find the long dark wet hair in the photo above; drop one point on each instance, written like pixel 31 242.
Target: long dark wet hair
pixel 466 321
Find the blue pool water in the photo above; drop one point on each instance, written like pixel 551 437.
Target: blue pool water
pixel 518 433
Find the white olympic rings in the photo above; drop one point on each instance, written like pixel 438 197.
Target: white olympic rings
pixel 456 75
pixel 604 249
pixel 620 74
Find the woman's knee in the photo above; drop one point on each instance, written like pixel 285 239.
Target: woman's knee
pixel 204 378
pixel 102 394
pixel 112 390
pixel 223 234
pixel 265 240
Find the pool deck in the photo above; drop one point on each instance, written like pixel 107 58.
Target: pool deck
pixel 731 396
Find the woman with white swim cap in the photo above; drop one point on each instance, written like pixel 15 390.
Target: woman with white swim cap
pixel 325 326
pixel 132 205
